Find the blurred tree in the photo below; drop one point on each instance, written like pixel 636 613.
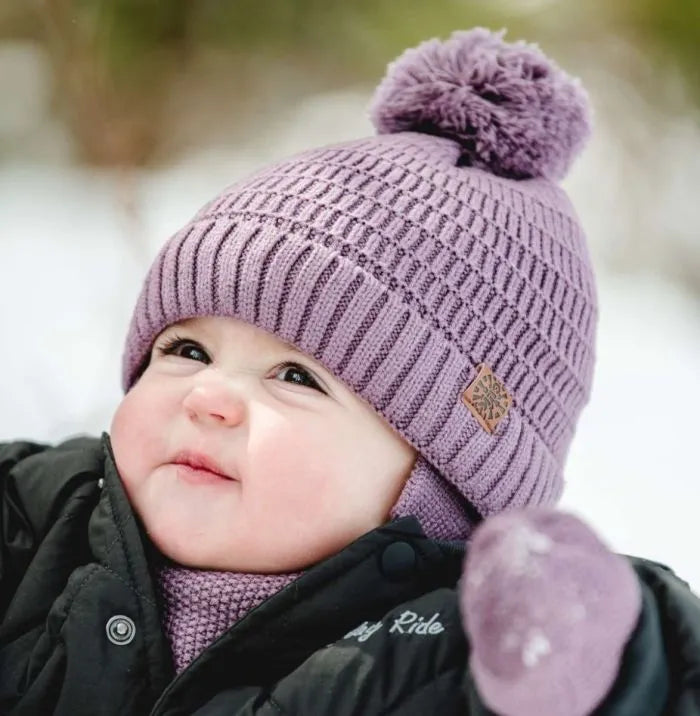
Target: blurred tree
pixel 670 30
pixel 116 63
pixel 111 61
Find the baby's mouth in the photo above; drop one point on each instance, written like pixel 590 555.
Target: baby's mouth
pixel 196 467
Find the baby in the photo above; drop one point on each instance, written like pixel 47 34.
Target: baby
pixel 351 379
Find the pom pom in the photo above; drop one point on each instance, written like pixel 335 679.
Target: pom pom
pixel 513 111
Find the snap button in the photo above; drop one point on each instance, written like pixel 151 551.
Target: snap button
pixel 121 630
pixel 101 483
pixel 398 561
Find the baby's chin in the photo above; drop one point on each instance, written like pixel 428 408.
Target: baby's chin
pixel 221 536
pixel 193 551
pixel 193 559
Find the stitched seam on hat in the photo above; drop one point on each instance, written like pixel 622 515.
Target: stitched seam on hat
pixel 195 260
pixel 217 267
pixel 436 178
pixel 149 304
pixel 512 268
pixel 504 466
pixel 526 198
pixel 339 310
pixel 319 285
pixel 539 485
pixel 441 420
pixel 575 280
pixel 490 177
pixel 444 464
pixel 535 477
pixel 269 258
pixel 411 299
pixel 543 487
pixel 163 319
pixel 383 352
pixel 379 271
pixel 367 322
pixel 390 393
pixel 288 279
pixel 240 263
pixel 474 467
pixel 176 272
pixel 426 388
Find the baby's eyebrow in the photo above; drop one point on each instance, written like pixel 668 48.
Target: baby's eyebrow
pixel 292 348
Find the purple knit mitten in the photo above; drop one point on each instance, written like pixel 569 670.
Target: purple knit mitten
pixel 548 610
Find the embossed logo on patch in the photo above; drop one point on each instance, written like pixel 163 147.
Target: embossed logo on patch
pixel 487 398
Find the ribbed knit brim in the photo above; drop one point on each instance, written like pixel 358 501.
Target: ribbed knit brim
pixel 401 272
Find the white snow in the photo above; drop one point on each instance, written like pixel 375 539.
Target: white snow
pixel 517 551
pixel 633 467
pixel 536 646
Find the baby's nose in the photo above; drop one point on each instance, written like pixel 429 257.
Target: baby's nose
pixel 215 403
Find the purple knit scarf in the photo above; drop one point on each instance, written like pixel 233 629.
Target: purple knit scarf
pixel 199 605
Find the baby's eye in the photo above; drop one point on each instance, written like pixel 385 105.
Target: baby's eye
pixel 295 373
pixel 184 348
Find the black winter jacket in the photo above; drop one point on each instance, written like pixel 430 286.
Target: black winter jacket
pixel 374 629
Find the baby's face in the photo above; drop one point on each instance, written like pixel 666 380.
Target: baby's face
pixel 307 465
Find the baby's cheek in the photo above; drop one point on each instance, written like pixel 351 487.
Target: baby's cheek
pixel 293 474
pixel 129 434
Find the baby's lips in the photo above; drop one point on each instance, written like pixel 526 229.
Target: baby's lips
pixel 202 461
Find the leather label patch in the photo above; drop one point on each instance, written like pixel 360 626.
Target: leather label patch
pixel 487 398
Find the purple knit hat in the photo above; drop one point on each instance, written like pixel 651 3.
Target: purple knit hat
pixel 437 269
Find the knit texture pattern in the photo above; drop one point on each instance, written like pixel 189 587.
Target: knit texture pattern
pixel 199 606
pixel 401 271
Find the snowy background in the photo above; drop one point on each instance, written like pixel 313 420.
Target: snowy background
pixel 75 242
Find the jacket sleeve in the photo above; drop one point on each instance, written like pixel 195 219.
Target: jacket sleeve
pixel 642 683
pixel 17 538
pixel 36 483
pixel 660 670
pixel 672 646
